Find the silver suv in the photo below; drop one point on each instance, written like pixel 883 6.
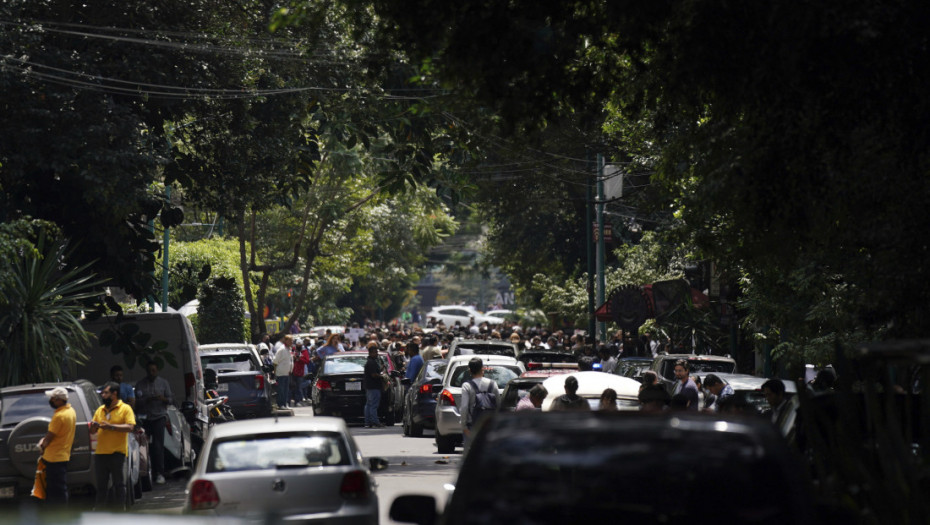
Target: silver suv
pixel 448 418
pixel 24 418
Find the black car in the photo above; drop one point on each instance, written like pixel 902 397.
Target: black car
pixel 626 467
pixel 633 367
pixel 420 401
pixel 339 388
pixel 239 376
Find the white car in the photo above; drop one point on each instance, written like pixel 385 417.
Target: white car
pixel 462 314
pixel 591 385
pixel 448 418
pixel 293 469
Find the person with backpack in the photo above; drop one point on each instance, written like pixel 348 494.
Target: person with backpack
pixel 479 395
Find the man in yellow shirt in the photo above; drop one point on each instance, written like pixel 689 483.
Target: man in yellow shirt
pixel 56 446
pixel 113 422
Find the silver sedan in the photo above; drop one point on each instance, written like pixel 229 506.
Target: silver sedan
pixel 299 469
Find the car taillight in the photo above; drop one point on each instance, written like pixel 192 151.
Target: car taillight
pixel 426 388
pixel 204 495
pixel 533 366
pixel 168 426
pixel 259 382
pixel 322 384
pixel 354 485
pixel 445 398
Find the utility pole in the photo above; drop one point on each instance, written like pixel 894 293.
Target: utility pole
pixel 164 260
pixel 601 326
pixel 589 212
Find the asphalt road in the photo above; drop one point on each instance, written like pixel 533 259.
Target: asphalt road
pixel 414 467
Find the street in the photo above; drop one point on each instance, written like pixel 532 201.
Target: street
pixel 414 468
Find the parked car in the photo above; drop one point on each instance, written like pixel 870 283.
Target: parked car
pixel 420 400
pixel 24 418
pixel 482 347
pixel 664 366
pixel 240 377
pixel 500 314
pixel 294 469
pixel 628 467
pixel 749 388
pixel 591 385
pixel 633 367
pixel 461 314
pixel 339 391
pixel 501 369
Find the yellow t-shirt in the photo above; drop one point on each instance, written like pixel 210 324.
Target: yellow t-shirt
pixel 111 441
pixel 62 425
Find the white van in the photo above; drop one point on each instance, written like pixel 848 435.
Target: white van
pixel 172 331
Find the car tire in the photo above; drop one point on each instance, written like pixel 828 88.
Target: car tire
pixel 22 444
pixel 416 430
pixel 445 444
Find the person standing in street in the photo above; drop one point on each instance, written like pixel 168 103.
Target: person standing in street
pixel 56 446
pixel 533 400
pixel 283 363
pixel 127 393
pixel 301 357
pixel 153 395
pixel 685 385
pixel 373 387
pixel 570 400
pixel 478 385
pixel 113 421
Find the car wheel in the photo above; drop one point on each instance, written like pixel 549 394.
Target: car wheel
pixel 445 444
pixel 416 430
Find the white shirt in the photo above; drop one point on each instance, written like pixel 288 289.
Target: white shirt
pixel 283 363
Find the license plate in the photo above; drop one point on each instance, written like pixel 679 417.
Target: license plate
pixel 354 386
pixel 7 492
pixel 222 387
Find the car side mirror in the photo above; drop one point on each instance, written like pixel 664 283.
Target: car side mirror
pixel 414 509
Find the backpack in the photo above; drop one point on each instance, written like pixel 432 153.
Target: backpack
pixel 484 402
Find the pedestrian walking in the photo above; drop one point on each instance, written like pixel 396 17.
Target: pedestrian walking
pixel 479 395
pixel 685 386
pixel 373 385
pixel 283 363
pixel 570 400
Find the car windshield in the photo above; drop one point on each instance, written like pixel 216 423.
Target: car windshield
pixel 279 450
pixel 228 362
pixel 577 475
pixel 345 365
pixel 700 367
pixel 501 374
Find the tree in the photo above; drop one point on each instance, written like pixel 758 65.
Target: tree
pixel 41 302
pixel 221 315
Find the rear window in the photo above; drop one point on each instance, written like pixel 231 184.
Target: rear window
pixel 348 364
pixel 229 362
pixel 279 451
pixel 434 370
pixel 484 349
pixel 501 374
pixel 21 406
